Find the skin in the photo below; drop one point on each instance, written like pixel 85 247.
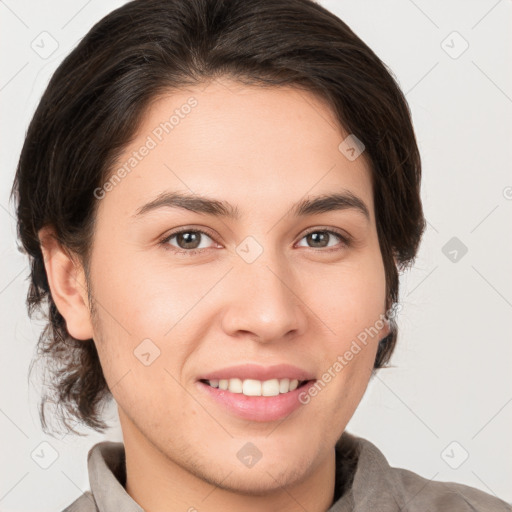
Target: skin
pixel 261 149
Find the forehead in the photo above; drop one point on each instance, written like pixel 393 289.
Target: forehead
pixel 247 145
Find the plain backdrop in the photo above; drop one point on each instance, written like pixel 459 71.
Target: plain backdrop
pixel 444 410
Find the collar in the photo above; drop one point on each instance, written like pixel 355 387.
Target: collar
pixel 106 463
pixel 374 485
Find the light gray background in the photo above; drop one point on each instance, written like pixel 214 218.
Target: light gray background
pixel 450 391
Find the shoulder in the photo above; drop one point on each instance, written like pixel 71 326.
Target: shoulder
pixel 376 485
pixel 428 494
pixel 84 503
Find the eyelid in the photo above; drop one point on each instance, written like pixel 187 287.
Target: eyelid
pixel 345 238
pixel 342 234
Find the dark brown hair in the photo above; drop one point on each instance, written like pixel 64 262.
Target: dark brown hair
pixel 96 100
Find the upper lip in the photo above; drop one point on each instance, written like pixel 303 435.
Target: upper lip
pixel 258 372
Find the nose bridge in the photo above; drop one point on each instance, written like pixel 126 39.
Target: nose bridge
pixel 264 301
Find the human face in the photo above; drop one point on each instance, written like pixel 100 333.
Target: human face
pixel 258 291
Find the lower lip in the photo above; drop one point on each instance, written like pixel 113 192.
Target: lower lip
pixel 257 408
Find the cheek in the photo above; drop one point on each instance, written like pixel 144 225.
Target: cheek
pixel 143 297
pixel 350 298
pixel 149 318
pixel 351 306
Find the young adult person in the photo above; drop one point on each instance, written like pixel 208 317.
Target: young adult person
pixel 217 197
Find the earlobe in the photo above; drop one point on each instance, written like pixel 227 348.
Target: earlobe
pixel 67 283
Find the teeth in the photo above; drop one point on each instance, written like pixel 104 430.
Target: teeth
pixel 252 387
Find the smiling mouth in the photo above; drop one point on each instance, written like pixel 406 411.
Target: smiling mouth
pixel 253 387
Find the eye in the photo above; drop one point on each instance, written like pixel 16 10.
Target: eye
pixel 189 241
pixel 320 238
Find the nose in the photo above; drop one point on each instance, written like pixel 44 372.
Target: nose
pixel 264 301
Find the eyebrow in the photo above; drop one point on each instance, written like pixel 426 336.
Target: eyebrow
pixel 209 206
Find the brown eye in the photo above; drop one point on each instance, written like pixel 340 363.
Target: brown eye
pixel 319 239
pixel 187 241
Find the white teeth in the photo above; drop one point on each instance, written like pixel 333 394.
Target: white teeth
pixel 252 387
pixel 234 385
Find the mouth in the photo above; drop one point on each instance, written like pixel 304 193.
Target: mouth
pixel 253 387
pixel 253 400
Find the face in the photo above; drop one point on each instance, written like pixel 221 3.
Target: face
pixel 266 286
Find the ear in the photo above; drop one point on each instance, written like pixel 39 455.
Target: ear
pixel 386 330
pixel 68 286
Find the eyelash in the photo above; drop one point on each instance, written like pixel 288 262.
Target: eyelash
pixel 345 239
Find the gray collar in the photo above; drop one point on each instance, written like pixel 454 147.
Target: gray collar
pixel 107 476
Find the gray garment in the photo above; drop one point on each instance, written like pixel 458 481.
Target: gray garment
pixel 372 485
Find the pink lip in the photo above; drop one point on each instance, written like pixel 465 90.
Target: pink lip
pixel 253 371
pixel 257 408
